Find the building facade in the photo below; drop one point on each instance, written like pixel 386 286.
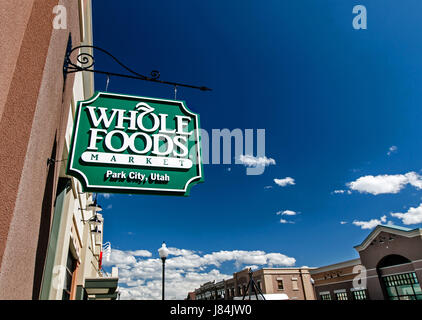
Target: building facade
pixel 389 267
pixel 191 296
pixel 335 282
pixel 49 247
pixel 274 283
pixel 210 291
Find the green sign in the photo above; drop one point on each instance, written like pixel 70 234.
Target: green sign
pixel 129 144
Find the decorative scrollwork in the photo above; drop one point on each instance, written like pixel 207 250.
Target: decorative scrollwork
pixel 155 74
pixel 85 62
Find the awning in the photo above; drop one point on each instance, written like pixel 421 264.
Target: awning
pixel 267 296
pixel 101 288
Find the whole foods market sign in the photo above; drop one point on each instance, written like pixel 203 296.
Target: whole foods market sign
pixel 132 144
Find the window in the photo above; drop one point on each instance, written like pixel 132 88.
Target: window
pixel 232 292
pixel 239 290
pixel 280 284
pixel 294 284
pixel 341 296
pixel 258 283
pixel 70 268
pixel 325 296
pixel 360 295
pixel 403 286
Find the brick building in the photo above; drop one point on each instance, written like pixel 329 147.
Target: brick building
pixel 274 283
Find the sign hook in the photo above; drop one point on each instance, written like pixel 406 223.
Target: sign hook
pixel 108 80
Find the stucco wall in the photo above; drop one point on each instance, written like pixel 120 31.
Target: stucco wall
pixel 409 248
pixel 32 126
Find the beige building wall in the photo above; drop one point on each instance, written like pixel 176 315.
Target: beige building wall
pixel 75 233
pixel 296 283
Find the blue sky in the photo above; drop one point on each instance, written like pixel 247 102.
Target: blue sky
pixel 333 101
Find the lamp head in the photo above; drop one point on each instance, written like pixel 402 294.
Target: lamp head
pixel 94 220
pixel 163 251
pixel 94 207
pixel 96 230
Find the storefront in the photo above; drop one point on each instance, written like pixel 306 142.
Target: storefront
pixel 389 268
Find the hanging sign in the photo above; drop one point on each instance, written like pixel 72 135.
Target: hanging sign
pixel 129 144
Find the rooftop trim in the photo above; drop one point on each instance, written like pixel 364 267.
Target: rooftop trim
pixel 335 266
pixel 401 231
pixel 392 226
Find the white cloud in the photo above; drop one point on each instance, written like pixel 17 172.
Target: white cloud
pixel 251 161
pixel 140 274
pixel 285 181
pixel 412 216
pixel 139 253
pixel 385 183
pixel 109 206
pixel 105 195
pixel 391 150
pixel 287 213
pixel 268 187
pixel 180 252
pixel 414 179
pixel 342 191
pixel 284 221
pixel 120 258
pixel 371 223
pixel 253 267
pixel 343 222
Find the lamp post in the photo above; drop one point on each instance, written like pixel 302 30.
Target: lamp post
pixel 163 252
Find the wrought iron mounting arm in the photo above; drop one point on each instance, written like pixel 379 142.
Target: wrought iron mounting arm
pixel 85 62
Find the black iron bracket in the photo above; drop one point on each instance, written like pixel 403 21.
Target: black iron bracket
pixel 85 62
pixel 51 161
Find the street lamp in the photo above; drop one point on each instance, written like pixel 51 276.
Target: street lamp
pixel 94 220
pixel 163 252
pixel 94 206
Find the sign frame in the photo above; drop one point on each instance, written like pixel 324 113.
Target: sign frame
pixel 89 187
